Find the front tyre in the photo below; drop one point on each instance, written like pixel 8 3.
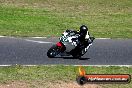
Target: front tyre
pixel 53 51
pixel 76 55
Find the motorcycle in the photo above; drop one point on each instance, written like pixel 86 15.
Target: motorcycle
pixel 70 45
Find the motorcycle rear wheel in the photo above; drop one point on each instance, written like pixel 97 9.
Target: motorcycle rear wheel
pixel 53 51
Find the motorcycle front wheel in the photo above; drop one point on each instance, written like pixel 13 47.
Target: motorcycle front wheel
pixel 76 53
pixel 53 51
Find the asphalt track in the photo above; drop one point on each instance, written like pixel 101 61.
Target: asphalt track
pixel 32 51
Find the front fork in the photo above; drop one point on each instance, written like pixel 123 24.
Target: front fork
pixel 84 50
pixel 88 47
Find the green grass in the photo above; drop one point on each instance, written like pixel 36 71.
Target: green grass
pixel 43 75
pixel 105 18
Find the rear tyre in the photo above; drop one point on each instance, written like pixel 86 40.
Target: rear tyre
pixel 53 51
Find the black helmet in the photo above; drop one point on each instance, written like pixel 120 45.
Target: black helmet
pixel 83 29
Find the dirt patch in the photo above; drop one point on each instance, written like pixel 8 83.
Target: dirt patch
pixel 74 85
pixel 59 84
pixel 15 84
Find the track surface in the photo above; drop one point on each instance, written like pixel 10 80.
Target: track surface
pixel 30 51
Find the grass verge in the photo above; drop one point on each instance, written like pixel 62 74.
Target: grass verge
pixel 105 18
pixel 44 75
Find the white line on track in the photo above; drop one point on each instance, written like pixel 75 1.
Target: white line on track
pixel 105 65
pixel 71 65
pixel 38 37
pixel 45 37
pixel 102 38
pixel 58 37
pixel 37 41
pixel 2 36
pixel 5 65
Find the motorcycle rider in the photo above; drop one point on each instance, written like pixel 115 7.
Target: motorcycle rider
pixel 84 38
pixel 84 35
pixel 82 41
